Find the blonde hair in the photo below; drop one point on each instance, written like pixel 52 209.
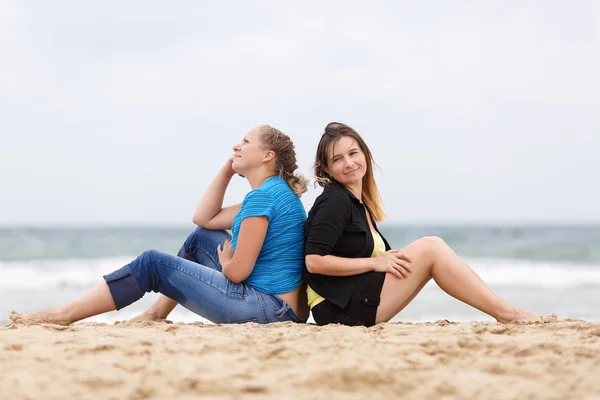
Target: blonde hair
pixel 334 131
pixel 285 157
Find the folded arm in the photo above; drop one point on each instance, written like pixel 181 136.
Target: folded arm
pixel 210 213
pixel 329 221
pixel 338 266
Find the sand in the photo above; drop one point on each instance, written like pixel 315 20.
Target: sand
pixel 478 360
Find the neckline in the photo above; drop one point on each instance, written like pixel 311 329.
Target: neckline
pixel 347 191
pixel 267 180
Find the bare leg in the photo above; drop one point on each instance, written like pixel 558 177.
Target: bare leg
pixel 473 272
pixel 433 258
pixel 96 301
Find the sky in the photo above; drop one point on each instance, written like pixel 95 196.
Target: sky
pixel 121 113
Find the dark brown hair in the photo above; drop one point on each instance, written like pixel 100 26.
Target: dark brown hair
pixel 285 157
pixel 334 131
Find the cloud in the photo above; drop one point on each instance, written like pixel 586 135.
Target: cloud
pixel 464 106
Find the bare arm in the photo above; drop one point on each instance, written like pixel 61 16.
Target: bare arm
pixel 210 213
pixel 392 261
pixel 328 224
pixel 338 266
pixel 331 215
pixel 250 240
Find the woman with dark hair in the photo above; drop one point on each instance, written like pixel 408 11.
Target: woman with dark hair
pixel 353 275
pixel 254 275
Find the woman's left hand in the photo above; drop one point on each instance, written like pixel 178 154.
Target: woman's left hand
pixel 225 252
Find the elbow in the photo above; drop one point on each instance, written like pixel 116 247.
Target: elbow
pixel 312 263
pixel 233 274
pixel 235 279
pixel 232 277
pixel 199 221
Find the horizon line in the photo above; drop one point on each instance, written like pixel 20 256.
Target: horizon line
pixel 163 225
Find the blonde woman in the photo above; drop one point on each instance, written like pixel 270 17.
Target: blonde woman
pixel 255 275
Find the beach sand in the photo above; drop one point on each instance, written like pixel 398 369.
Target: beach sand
pixel 477 360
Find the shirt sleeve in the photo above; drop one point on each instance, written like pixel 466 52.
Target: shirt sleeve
pixel 257 204
pixel 329 222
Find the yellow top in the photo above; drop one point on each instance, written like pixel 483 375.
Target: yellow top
pixel 378 248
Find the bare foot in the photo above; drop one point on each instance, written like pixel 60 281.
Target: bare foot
pixel 521 316
pixel 540 319
pixel 548 318
pixel 43 317
pixel 146 316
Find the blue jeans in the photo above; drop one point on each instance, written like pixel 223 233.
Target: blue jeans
pixel 194 280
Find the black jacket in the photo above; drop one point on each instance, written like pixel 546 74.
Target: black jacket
pixel 337 225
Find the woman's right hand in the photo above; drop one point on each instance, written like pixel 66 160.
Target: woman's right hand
pixel 394 262
pixel 228 166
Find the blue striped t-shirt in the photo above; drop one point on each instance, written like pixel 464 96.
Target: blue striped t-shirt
pixel 279 265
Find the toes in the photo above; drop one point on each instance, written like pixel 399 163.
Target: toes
pixel 549 318
pixel 15 316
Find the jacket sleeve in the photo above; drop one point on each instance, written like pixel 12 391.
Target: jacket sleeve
pixel 330 219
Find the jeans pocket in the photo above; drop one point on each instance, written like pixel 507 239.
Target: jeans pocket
pixel 280 307
pixel 237 289
pixel 286 313
pixel 280 313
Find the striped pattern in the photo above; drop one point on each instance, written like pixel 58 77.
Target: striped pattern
pixel 279 265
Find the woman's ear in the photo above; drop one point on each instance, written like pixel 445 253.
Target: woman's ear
pixel 269 155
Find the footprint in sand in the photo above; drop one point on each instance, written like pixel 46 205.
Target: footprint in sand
pixel 101 383
pixel 98 349
pixel 14 347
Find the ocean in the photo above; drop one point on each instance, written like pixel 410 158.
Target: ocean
pixel 542 269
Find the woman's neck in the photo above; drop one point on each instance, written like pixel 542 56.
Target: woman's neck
pixel 356 190
pixel 257 178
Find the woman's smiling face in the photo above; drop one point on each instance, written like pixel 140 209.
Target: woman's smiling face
pixel 346 162
pixel 249 153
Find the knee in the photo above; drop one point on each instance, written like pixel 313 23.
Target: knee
pixel 148 269
pixel 192 240
pixel 202 235
pixel 148 257
pixel 199 231
pixel 432 245
pixel 434 240
pixel 196 233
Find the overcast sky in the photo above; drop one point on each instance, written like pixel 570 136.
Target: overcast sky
pixel 122 112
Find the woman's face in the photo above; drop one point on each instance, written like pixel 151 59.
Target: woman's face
pixel 249 154
pixel 346 163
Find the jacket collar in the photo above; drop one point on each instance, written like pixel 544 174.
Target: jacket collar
pixel 335 185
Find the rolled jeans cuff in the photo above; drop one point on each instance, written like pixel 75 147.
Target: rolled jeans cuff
pixel 123 287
